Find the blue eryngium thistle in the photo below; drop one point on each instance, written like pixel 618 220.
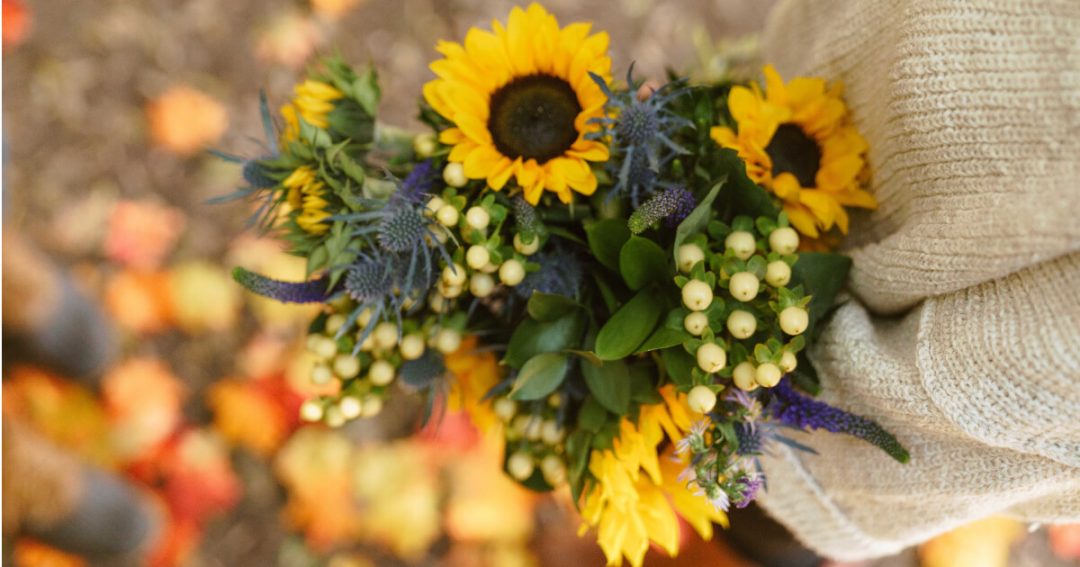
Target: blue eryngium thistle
pixel 419 182
pixel 671 205
pixel 313 291
pixel 798 410
pixel 560 273
pixel 641 133
pixel 256 173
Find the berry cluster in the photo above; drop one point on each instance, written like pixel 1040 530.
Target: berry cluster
pixel 535 436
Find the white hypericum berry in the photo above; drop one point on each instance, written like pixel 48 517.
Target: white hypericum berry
pixel 520 466
pixel 534 428
pixel 788 362
pixel 312 342
pixel 364 318
pixel 711 357
pixel 454 275
pixel 369 343
pixel 794 320
pixel 372 406
pixel 742 243
pixel 553 469
pixel 768 374
pixel 697 295
pixel 477 256
pixel 334 322
pixel 350 407
pixel 433 205
pixel 448 291
pixel 778 273
pixel 695 323
pixel 784 240
pixel 438 303
pixel 477 217
pixel 346 365
pixel 701 399
pixel 321 374
pixel 744 286
pixel 687 256
pixel 454 175
pixel 504 408
pixel 551 433
pixel 447 341
pixel 447 216
pixel 412 346
pixel 381 373
pixel 311 411
pixel 741 324
pixel 325 348
pixel 511 272
pixel 386 335
pixel 481 284
pixel 526 248
pixel 554 400
pixel 424 144
pixel 744 376
pixel 333 418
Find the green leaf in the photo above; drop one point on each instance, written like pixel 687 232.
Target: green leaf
pixel 699 218
pixel 643 385
pixel 592 415
pixel 663 337
pixel 549 307
pixel 533 337
pixel 610 384
pixel 606 239
pixel 366 90
pixel 749 197
pixel 578 449
pixel 540 376
pixel 679 365
pixel 642 261
pixel 629 326
pixel 822 275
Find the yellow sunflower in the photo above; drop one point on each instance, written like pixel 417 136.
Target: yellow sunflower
pixel 798 142
pixel 313 100
pixel 306 193
pixel 521 99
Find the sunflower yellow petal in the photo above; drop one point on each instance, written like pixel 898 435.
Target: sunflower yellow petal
pixel 839 173
pixel 474 128
pixel 801 219
pixel 481 161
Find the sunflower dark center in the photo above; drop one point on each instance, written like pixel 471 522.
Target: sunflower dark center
pixel 792 151
pixel 533 117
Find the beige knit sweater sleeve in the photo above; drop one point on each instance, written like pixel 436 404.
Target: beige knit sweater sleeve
pixel 963 335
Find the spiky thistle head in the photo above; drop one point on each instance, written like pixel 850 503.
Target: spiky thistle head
pixel 749 438
pixel 671 205
pixel 368 281
pixel 313 291
pixel 256 173
pixel 401 229
pixel 637 124
pixel 421 372
pixel 560 273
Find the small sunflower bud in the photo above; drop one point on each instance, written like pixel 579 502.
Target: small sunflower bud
pixel 454 175
pixel 511 272
pixel 741 243
pixel 794 320
pixel 784 240
pixel 744 376
pixel 778 273
pixel 697 295
pixel 695 323
pixel 520 466
pixel 688 255
pixel 381 373
pixel 768 375
pixel 711 357
pixel 701 399
pixel 744 286
pixel 741 324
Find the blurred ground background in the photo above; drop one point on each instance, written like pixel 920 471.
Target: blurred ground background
pixel 108 106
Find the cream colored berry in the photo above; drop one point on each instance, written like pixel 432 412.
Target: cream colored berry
pixel 794 320
pixel 433 205
pixel 454 274
pixel 744 376
pixel 744 286
pixel 520 424
pixel 481 284
pixel 381 373
pixel 346 365
pixel 711 357
pixel 438 303
pixel 741 243
pixel 520 466
pixel 424 144
pixel 695 323
pixel 350 407
pixel 447 216
pixel 477 217
pixel 321 374
pixel 687 256
pixel 553 469
pixel 311 411
pixel 325 348
pixel 454 175
pixel 504 409
pixel 386 335
pixel 372 406
pixel 555 399
pixel 784 240
pixel 527 248
pixel 369 343
pixel 447 341
pixel 768 375
pixel 741 324
pixel 534 429
pixel 364 318
pixel 697 295
pixel 449 291
pixel 333 418
pixel 788 361
pixel 551 433
pixel 312 342
pixel 701 399
pixel 490 268
pixel 511 272
pixel 412 346
pixel 778 273
pixel 477 257
pixel 334 322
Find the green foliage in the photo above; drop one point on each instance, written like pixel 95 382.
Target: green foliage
pixel 629 326
pixel 822 275
pixel 606 239
pixel 610 384
pixel 641 262
pixel 540 376
pixel 534 337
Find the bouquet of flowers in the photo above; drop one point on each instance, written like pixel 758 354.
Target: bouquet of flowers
pixel 626 279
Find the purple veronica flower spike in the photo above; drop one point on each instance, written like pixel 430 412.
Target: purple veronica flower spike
pixel 313 291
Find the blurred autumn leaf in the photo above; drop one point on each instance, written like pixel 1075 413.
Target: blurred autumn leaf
pixel 185 120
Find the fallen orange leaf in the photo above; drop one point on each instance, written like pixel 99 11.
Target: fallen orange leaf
pixel 186 120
